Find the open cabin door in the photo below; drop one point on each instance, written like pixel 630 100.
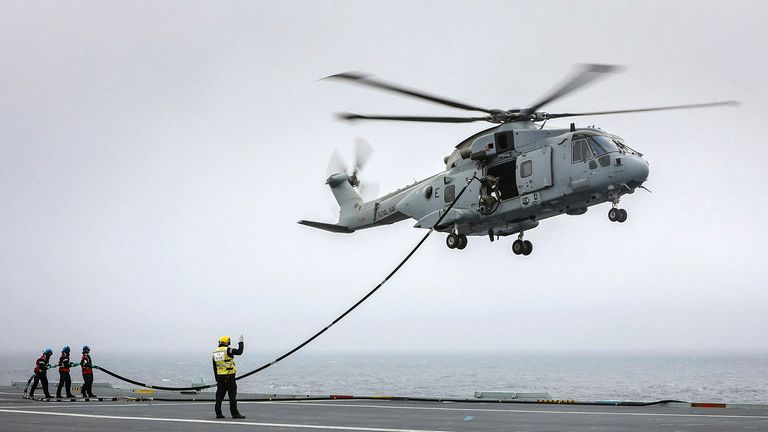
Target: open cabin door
pixel 534 170
pixel 507 180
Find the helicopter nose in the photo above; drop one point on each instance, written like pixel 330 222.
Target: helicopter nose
pixel 637 169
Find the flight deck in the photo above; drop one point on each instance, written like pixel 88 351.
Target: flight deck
pixel 121 409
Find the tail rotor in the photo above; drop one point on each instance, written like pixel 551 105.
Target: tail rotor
pixel 363 152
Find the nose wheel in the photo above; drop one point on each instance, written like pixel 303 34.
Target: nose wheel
pixel 616 214
pixel 522 247
pixel 456 241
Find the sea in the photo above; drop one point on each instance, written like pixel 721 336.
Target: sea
pixel 646 376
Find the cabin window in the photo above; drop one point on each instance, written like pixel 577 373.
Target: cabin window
pixel 449 193
pixel 526 169
pixel 604 160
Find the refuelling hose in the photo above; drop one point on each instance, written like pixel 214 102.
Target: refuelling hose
pixel 424 399
pixel 314 336
pixel 282 398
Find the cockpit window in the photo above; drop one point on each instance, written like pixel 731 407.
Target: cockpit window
pixel 576 157
pixel 597 149
pixel 581 150
pixel 623 146
pixel 606 143
pixel 587 143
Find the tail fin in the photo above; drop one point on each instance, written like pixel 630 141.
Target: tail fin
pixel 349 200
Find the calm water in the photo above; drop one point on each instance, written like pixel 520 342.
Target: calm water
pixel 737 378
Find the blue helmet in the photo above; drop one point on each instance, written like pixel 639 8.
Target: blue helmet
pixel 86 349
pixel 48 352
pixel 65 349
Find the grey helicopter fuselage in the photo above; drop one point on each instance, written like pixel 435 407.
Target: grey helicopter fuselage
pixel 528 174
pixel 516 174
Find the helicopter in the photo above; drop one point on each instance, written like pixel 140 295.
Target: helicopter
pixel 514 174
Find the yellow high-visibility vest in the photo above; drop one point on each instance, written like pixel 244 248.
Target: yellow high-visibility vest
pixel 225 364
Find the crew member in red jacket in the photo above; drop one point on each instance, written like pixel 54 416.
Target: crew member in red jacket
pixel 87 365
pixel 64 378
pixel 41 373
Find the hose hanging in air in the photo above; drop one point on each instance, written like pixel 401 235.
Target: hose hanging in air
pixel 323 330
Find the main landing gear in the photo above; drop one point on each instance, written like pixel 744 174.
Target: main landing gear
pixel 522 247
pixel 456 241
pixel 616 214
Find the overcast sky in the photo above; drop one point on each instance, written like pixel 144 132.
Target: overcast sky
pixel 155 157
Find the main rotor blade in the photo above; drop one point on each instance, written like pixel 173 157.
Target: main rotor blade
pixel 366 80
pixel 673 107
pixel 587 74
pixel 352 117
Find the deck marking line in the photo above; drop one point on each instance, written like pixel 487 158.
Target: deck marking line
pixel 762 417
pixel 234 423
pixel 110 404
pixel 50 405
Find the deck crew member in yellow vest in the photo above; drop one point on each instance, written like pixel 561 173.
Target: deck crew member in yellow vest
pixel 224 369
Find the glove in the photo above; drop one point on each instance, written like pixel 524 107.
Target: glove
pixel 240 339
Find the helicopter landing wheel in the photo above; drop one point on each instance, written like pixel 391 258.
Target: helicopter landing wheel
pixel 518 247
pixel 617 215
pixel 528 247
pixel 622 216
pixel 452 241
pixel 462 242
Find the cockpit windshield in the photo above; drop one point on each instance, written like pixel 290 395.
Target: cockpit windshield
pixel 602 144
pixel 624 147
